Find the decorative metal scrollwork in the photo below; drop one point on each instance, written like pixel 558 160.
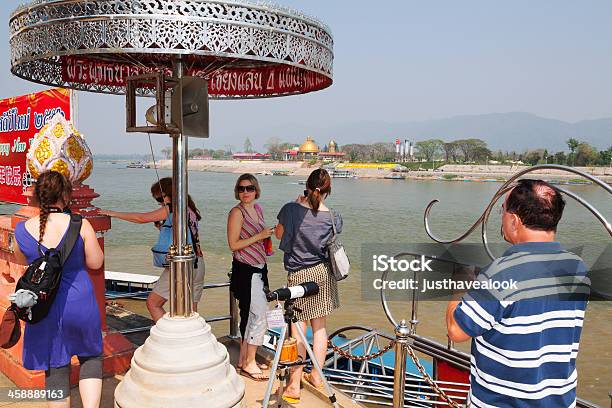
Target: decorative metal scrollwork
pixel 212 35
pixel 508 185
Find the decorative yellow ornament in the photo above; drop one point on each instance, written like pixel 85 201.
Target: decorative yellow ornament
pixel 58 131
pixel 59 146
pixel 43 151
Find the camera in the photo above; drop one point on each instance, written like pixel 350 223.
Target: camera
pixel 293 292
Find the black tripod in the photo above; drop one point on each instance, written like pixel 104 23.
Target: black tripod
pixel 284 367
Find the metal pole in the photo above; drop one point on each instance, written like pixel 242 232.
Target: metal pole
pixel 277 353
pixel 399 375
pixel 74 107
pixel 415 305
pixel 182 256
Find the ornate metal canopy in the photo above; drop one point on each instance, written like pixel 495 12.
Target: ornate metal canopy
pixel 244 49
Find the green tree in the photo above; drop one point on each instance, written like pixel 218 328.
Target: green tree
pixel 470 146
pixel 276 148
pixel 450 151
pixel 560 158
pixel 605 157
pixel 533 157
pixel 585 155
pixel 429 148
pixel 572 144
pixel 196 152
pixel 481 153
pixel 167 152
pixel 248 146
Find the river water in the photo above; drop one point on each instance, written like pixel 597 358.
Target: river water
pixel 374 212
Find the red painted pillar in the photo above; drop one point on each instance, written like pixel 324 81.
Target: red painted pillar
pixel 82 197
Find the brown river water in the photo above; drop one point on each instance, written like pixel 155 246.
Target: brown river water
pixel 374 212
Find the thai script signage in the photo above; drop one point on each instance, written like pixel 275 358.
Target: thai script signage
pixel 21 118
pixel 261 81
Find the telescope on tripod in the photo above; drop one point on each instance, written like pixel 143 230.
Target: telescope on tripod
pixel 286 355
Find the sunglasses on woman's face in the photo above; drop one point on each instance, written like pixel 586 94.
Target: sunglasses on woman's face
pixel 159 199
pixel 249 188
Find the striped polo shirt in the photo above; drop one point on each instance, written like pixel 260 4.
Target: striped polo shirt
pixel 525 337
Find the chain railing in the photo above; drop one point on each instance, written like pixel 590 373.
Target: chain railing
pixel 367 357
pixel 374 386
pixel 430 380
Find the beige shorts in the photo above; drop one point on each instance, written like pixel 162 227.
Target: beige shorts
pixel 162 287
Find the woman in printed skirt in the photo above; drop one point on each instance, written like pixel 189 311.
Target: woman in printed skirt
pixel 304 227
pixel 161 191
pixel 246 233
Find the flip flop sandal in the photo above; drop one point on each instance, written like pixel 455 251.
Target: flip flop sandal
pixel 254 376
pixel 262 366
pixel 308 379
pixel 290 399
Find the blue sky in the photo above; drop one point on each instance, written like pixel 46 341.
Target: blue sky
pixel 398 61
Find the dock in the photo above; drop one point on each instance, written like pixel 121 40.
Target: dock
pixel 135 328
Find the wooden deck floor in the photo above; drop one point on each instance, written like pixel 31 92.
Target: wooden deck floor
pixel 120 319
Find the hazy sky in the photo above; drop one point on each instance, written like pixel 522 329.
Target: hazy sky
pixel 405 60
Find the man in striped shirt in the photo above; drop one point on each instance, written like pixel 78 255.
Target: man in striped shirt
pixel 525 339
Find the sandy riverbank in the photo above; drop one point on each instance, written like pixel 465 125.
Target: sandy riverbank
pixel 461 172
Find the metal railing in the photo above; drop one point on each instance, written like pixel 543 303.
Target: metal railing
pixel 232 317
pixel 366 377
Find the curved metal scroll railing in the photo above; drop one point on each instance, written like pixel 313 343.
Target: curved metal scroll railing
pixel 507 186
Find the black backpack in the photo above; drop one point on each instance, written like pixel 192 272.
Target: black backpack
pixel 44 275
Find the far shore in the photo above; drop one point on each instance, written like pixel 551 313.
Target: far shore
pixel 447 172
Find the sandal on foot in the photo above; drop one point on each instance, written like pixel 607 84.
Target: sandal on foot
pixel 308 379
pixel 254 376
pixel 262 366
pixel 291 400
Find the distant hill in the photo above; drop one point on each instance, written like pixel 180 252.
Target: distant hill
pixel 506 131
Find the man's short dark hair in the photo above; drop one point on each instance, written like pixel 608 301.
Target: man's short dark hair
pixel 538 204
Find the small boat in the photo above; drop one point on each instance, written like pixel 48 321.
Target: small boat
pixel 124 285
pixel 302 182
pixel 264 173
pixel 342 174
pixel 280 172
pixel 395 176
pixel 136 165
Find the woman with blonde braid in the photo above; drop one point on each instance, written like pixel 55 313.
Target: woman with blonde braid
pixel 72 326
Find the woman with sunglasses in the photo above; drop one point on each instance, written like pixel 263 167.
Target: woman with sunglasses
pixel 246 232
pixel 162 193
pixel 304 228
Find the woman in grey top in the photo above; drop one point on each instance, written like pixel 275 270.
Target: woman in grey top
pixel 304 227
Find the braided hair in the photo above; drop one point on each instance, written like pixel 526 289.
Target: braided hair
pixel 51 187
pixel 319 187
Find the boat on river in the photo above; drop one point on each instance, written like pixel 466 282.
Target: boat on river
pixel 395 176
pixel 339 173
pixel 137 165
